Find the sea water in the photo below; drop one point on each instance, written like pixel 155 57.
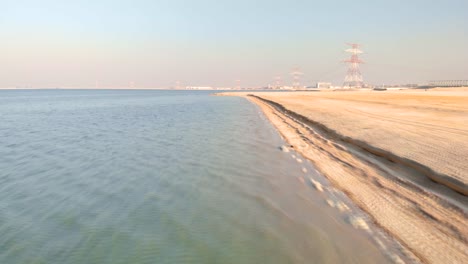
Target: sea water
pixel 128 176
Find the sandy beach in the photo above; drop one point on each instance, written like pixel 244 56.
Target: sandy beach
pixel 399 155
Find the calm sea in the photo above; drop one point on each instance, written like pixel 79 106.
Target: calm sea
pixel 100 176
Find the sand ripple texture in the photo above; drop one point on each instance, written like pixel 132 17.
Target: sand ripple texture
pixel 338 131
pixel 428 128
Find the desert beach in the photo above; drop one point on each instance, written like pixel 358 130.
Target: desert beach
pixel 234 132
pixel 400 155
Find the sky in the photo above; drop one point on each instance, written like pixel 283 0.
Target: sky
pixel 114 43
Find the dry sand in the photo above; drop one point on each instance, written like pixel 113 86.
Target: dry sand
pixel 402 156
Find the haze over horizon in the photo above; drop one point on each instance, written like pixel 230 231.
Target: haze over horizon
pixel 49 43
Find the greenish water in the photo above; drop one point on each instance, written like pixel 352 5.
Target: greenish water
pixel 158 177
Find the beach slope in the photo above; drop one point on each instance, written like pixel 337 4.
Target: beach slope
pixel 400 155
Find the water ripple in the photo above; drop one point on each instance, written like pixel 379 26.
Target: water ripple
pixel 153 177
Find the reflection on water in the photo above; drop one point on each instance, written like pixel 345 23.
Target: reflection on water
pixel 158 177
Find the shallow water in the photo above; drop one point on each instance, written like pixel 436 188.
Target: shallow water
pixel 158 177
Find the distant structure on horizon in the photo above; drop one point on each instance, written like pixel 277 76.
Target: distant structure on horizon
pixel 448 83
pixel 323 85
pixel 296 74
pixel 353 76
pixel 278 82
pixel 238 84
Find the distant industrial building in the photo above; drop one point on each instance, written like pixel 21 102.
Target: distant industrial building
pixel 323 85
pixel 199 88
pixel 448 83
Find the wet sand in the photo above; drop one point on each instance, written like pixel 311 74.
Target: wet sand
pixel 399 155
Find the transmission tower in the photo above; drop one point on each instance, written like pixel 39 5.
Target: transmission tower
pixel 278 82
pixel 353 76
pixel 296 74
pixel 238 84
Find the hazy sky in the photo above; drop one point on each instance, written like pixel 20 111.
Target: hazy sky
pixel 74 43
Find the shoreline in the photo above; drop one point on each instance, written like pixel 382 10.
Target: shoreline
pixel 430 224
pixel 445 180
